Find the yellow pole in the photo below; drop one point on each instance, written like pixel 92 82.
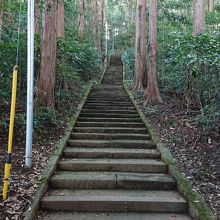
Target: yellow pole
pixel 10 136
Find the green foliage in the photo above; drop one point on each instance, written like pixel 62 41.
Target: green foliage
pixel 77 64
pixel 192 68
pixel 188 66
pixel 128 58
pixel 46 118
pixel 76 59
pixel 195 64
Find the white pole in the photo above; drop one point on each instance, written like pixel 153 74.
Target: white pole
pixel 30 84
pixel 106 38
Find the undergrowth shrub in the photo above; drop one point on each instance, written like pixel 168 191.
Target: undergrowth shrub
pixel 128 58
pixel 193 69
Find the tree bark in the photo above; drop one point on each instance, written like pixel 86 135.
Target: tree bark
pixel 7 17
pixel 1 13
pixel 82 19
pixel 199 7
pixel 101 5
pixel 97 40
pixel 47 75
pixel 152 91
pixel 140 46
pixel 60 18
pixel 211 5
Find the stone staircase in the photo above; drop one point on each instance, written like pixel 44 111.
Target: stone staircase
pixel 111 168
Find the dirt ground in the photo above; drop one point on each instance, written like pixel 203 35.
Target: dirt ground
pixel 196 150
pixel 24 181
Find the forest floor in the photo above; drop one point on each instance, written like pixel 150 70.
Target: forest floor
pixel 196 150
pixel 23 182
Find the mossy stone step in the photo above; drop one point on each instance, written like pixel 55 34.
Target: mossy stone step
pixel 114 111
pixel 119 165
pixel 109 107
pixel 112 180
pixel 84 119
pixel 115 200
pixel 139 144
pixel 111 124
pixel 111 130
pixel 110 136
pixel 110 115
pixel 104 105
pixel 116 153
pixel 113 216
pixel 105 99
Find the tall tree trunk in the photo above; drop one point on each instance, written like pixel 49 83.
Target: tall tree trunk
pixel 36 14
pixel 152 91
pixel 140 46
pixel 199 7
pixel 60 18
pixel 211 5
pixel 1 12
pixel 96 29
pixel 7 16
pixel 106 38
pixel 82 18
pixel 101 8
pixel 47 75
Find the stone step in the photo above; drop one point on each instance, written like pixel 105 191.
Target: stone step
pixel 110 115
pixel 110 96
pixel 111 130
pixel 110 136
pixel 118 165
pixel 116 91
pixel 114 201
pixel 113 79
pixel 125 101
pixel 114 82
pixel 111 124
pixel 98 98
pixel 110 104
pixel 117 153
pixel 124 98
pixel 139 144
pixel 110 107
pixel 84 119
pixel 109 99
pixel 109 91
pixel 108 87
pixel 113 216
pixel 104 111
pixel 112 180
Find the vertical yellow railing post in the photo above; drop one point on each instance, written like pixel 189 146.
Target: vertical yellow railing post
pixel 10 136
